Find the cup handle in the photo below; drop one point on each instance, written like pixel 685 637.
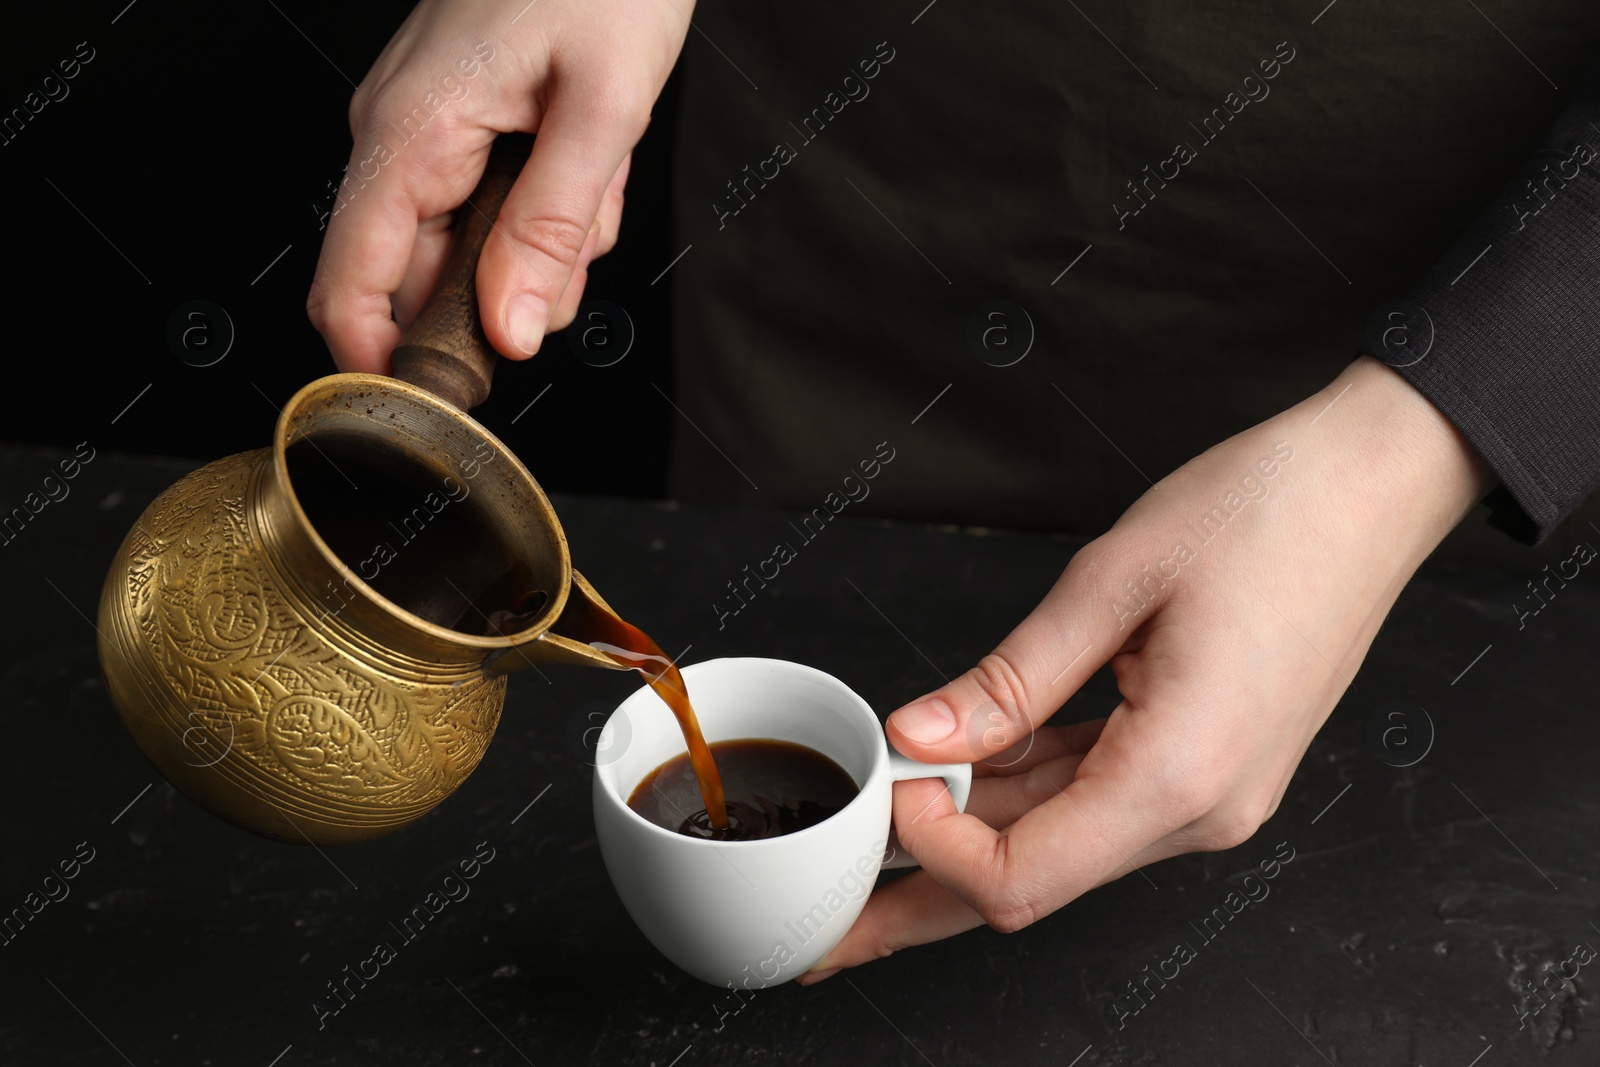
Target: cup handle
pixel 957 778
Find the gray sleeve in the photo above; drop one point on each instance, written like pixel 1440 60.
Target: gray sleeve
pixel 1503 333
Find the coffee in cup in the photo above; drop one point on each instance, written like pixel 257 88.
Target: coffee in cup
pixel 753 912
pixel 770 788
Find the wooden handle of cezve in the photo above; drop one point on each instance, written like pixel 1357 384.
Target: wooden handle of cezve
pixel 445 351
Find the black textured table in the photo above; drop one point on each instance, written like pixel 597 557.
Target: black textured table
pixel 1419 908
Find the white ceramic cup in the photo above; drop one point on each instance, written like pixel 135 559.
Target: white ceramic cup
pixel 752 913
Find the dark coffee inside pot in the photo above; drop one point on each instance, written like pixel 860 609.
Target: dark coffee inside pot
pixel 418 537
pixel 772 788
pixel 426 543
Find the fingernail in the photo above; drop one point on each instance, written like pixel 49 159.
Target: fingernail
pixel 926 722
pixel 526 317
pixel 813 977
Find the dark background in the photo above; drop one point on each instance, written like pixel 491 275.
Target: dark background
pixel 200 166
pixel 200 145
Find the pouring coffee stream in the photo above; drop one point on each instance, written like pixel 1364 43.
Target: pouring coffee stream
pixel 336 614
pixel 632 647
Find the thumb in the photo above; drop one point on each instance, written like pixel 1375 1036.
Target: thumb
pixel 547 218
pixel 1074 631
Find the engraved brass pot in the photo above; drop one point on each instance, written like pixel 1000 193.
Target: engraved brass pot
pixel 261 674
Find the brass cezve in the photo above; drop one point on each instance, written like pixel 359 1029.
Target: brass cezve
pixel 326 718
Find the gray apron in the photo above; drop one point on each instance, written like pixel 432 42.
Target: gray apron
pixel 1045 253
